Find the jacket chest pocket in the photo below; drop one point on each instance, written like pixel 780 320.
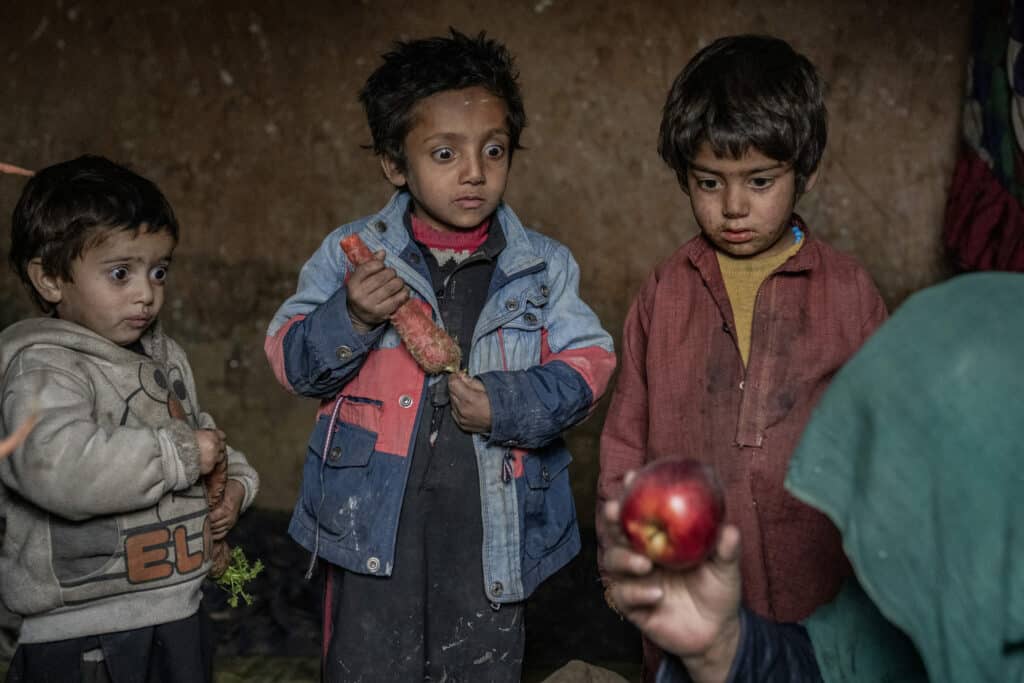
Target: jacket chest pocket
pixel 549 513
pixel 522 332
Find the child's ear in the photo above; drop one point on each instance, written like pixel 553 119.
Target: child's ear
pixel 48 286
pixel 809 183
pixel 393 171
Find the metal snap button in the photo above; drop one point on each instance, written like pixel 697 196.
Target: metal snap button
pixel 497 589
pixel 544 473
pixel 380 226
pixel 373 564
pixel 334 453
pixel 544 291
pixel 414 257
pixel 742 384
pixel 530 318
pixel 405 401
pixel 343 353
pixel 512 305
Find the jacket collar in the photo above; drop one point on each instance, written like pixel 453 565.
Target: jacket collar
pixel 386 230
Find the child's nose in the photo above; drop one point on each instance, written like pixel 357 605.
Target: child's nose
pixel 145 292
pixel 473 170
pixel 735 202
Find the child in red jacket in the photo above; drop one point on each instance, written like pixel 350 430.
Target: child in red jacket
pixel 732 339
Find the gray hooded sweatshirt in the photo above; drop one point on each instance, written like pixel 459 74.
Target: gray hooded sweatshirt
pixel 106 519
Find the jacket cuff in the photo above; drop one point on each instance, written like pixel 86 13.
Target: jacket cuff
pixel 333 340
pixel 771 651
pixel 240 471
pixel 503 396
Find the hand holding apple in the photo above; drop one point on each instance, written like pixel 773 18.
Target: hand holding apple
pixel 672 512
pixel 692 613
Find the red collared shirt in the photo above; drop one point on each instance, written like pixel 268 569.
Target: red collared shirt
pixel 683 391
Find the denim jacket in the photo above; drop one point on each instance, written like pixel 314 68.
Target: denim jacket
pixel 539 350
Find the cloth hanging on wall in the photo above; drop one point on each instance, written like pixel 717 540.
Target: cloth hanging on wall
pixel 984 225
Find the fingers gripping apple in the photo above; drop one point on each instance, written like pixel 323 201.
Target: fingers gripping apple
pixel 672 512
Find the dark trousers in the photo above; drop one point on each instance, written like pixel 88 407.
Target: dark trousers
pixel 176 652
pixel 431 620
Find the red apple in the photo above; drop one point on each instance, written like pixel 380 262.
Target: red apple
pixel 672 512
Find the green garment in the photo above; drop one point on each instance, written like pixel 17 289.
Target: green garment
pixel 916 454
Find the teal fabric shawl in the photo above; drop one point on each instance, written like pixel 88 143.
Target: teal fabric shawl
pixel 916 452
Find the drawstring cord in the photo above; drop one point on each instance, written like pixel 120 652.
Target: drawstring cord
pixel 323 491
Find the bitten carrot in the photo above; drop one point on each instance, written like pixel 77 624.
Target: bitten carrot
pixel 428 344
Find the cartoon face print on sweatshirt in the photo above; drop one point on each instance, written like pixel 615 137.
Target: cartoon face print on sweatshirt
pixel 161 385
pixel 83 551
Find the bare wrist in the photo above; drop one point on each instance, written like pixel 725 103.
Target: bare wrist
pixel 358 324
pixel 714 664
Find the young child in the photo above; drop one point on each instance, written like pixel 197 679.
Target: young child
pixel 733 338
pixel 108 535
pixel 439 502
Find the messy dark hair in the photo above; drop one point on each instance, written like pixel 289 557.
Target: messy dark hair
pixel 741 92
pixel 68 207
pixel 416 69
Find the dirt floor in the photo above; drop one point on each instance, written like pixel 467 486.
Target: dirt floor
pixel 276 638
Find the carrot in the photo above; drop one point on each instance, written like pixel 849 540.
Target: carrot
pixel 427 343
pixel 8 445
pixel 230 568
pixel 215 482
pixel 14 170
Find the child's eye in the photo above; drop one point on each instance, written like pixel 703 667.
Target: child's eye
pixel 158 274
pixel 119 274
pixel 708 184
pixel 443 154
pixel 494 151
pixel 761 183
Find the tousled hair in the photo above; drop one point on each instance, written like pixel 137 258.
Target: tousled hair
pixel 741 92
pixel 68 207
pixel 417 69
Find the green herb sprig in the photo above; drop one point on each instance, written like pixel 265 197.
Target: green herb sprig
pixel 239 573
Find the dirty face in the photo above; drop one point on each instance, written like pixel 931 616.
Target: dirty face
pixel 457 158
pixel 743 205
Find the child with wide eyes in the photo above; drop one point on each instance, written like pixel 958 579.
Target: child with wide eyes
pixel 110 531
pixel 733 338
pixel 436 503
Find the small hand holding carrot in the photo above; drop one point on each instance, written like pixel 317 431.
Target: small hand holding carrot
pixel 212 449
pixel 224 515
pixel 471 407
pixel 374 293
pixel 428 344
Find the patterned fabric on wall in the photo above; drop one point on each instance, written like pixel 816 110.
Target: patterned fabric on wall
pixel 984 227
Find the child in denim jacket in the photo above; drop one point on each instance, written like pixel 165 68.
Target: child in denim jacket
pixel 438 503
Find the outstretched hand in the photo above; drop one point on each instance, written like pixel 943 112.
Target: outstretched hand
pixel 693 613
